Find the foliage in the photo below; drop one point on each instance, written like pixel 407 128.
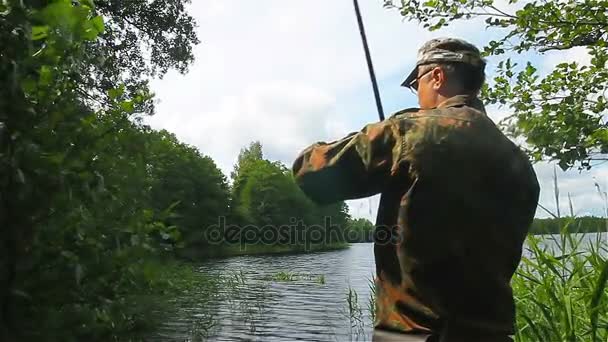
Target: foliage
pixel 284 276
pixel 141 39
pixel 360 230
pixel 247 155
pixel 265 196
pixel 560 112
pixel 80 223
pixel 354 313
pixel 561 289
pixel 586 224
pixel 188 182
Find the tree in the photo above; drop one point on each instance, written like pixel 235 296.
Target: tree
pixel 360 230
pixel 74 189
pixel 247 155
pixel 188 182
pixel 561 113
pixel 265 194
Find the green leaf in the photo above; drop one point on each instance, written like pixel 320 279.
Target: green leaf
pixel 89 33
pixel 29 85
pixel 78 274
pixel 596 296
pixel 88 3
pixel 116 93
pixel 97 22
pixel 127 106
pixel 46 75
pixel 40 32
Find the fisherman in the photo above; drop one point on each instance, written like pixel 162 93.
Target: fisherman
pixel 457 200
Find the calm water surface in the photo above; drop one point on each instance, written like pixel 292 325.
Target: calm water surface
pixel 312 307
pixel 251 306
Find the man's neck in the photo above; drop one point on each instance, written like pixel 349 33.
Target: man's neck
pixel 443 97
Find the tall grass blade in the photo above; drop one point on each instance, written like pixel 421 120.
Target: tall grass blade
pixel 596 297
pixel 556 190
pixel 547 210
pixel 547 315
pixel 534 328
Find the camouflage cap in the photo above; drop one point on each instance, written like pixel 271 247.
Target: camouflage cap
pixel 442 50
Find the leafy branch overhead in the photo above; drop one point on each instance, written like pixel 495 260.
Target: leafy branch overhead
pixel 560 112
pixel 127 43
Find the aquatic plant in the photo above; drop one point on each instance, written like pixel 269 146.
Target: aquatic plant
pixel 354 313
pixel 560 289
pixel 371 300
pixel 285 276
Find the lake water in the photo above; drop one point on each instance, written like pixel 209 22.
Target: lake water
pixel 311 307
pixel 252 306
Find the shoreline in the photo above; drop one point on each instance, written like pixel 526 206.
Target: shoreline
pixel 215 252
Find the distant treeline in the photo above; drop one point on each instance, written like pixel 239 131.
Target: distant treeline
pixel 586 224
pixel 362 230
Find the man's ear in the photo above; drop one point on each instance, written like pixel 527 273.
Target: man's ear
pixel 438 78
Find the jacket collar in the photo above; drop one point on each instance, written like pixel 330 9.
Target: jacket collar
pixel 464 100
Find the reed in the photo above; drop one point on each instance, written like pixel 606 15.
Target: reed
pixel 560 286
pixel 354 313
pixel 560 289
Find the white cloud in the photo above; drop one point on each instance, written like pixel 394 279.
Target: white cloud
pixel 284 117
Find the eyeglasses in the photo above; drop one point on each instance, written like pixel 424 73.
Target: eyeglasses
pixel 414 84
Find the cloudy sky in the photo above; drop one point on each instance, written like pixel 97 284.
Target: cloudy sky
pixel 289 73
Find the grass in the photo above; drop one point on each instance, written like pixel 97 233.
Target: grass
pixel 284 276
pixel 561 291
pixel 371 300
pixel 354 313
pixel 561 285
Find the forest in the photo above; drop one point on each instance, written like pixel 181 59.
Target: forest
pixel 583 224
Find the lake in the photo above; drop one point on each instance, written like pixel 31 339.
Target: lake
pixel 299 297
pixel 310 307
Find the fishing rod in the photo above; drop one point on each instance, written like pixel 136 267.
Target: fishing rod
pixel 368 57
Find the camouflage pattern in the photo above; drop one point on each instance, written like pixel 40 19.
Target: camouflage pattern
pixel 457 200
pixel 446 50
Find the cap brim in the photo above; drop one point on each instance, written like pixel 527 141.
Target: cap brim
pixel 412 76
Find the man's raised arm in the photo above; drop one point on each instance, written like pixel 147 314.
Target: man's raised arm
pixel 356 166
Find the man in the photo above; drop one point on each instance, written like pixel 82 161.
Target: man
pixel 458 198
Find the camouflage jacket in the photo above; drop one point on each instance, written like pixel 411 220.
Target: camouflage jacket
pixel 458 198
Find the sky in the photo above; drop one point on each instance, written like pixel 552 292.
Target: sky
pixel 291 73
